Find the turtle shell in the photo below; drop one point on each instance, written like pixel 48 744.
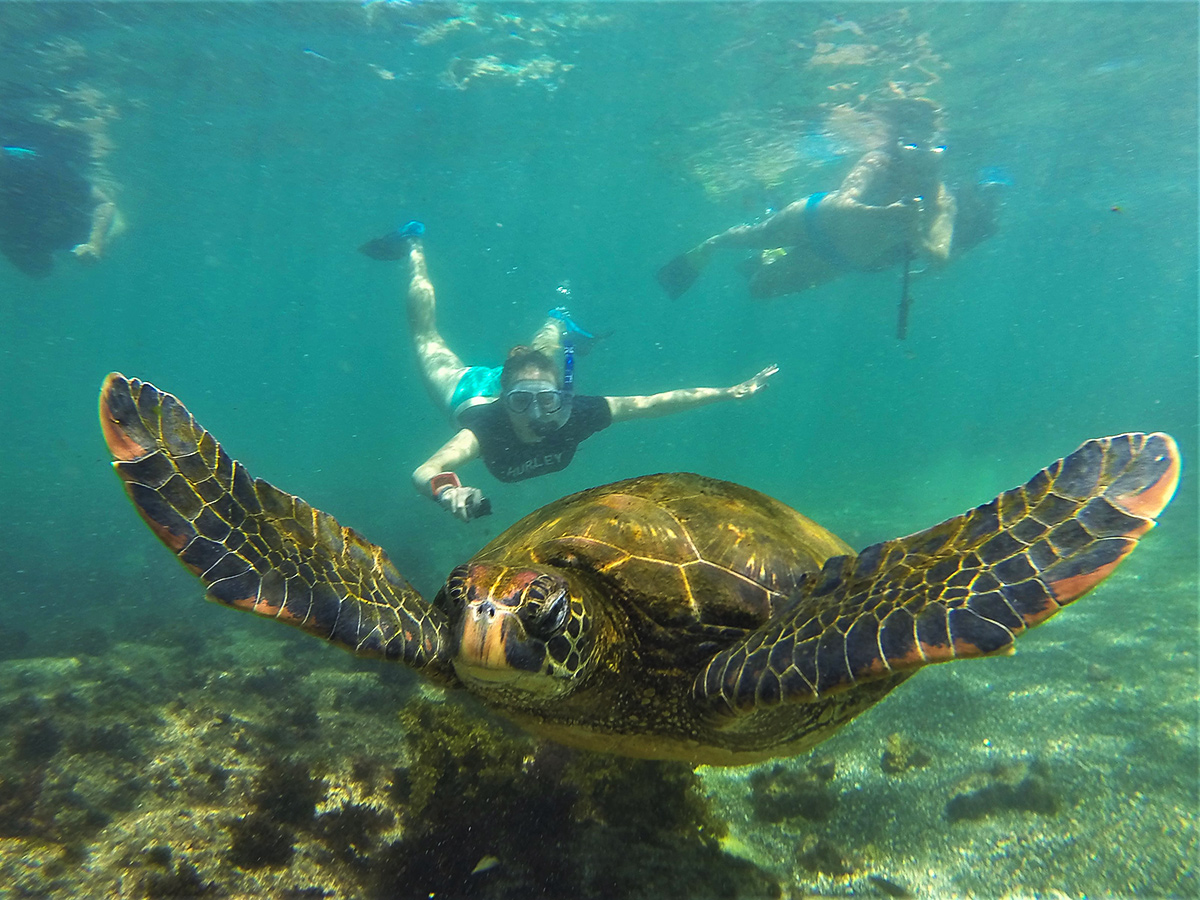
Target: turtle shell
pixel 679 549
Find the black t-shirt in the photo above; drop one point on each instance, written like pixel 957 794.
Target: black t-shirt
pixel 510 459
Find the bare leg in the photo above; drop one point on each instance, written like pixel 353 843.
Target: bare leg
pixel 107 223
pixel 785 228
pixel 440 366
pixel 846 235
pixel 549 341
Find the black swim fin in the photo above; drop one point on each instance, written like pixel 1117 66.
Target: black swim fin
pixel 680 273
pixel 392 245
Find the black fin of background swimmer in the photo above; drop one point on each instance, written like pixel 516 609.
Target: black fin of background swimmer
pixel 392 245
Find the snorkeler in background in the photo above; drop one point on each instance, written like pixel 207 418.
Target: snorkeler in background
pixel 49 199
pixel 523 418
pixel 892 208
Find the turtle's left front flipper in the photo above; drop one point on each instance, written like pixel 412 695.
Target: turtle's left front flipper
pixel 257 548
pixel 961 589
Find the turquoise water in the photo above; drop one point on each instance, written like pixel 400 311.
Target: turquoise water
pixel 580 147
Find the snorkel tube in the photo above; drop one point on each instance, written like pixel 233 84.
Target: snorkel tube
pixel 559 418
pixel 568 385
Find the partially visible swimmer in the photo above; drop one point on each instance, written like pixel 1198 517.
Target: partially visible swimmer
pixel 891 209
pixel 49 199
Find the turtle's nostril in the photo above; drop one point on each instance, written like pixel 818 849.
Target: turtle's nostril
pixel 488 608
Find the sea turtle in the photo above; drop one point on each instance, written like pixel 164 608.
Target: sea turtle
pixel 667 616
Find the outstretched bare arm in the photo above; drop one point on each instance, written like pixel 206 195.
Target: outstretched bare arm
pixel 651 405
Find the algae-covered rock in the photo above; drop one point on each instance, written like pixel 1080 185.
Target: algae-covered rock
pixel 784 792
pixel 902 754
pixel 1016 787
pixel 264 778
pixel 819 854
pixel 548 820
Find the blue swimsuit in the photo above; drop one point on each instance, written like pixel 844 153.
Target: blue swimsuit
pixel 479 384
pixel 819 237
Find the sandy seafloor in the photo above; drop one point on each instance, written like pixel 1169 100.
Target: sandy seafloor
pixel 154 746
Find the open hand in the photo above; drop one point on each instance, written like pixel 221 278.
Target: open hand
pixel 753 385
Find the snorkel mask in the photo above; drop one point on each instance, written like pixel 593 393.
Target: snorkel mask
pixel 544 407
pixel 916 148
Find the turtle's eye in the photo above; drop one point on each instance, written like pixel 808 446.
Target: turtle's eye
pixel 546 604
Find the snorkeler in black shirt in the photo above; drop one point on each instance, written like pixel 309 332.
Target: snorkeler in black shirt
pixel 523 418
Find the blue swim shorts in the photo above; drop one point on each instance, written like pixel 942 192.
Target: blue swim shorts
pixel 479 384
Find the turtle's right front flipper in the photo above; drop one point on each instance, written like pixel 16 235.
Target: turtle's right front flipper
pixel 964 588
pixel 257 548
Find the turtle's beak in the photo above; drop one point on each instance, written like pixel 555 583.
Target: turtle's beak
pixel 495 647
pixel 485 627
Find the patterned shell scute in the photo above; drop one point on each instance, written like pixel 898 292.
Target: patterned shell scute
pixel 688 548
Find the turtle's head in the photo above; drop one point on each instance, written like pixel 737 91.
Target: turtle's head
pixel 521 632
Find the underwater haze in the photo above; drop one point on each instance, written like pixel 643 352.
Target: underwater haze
pixel 155 745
